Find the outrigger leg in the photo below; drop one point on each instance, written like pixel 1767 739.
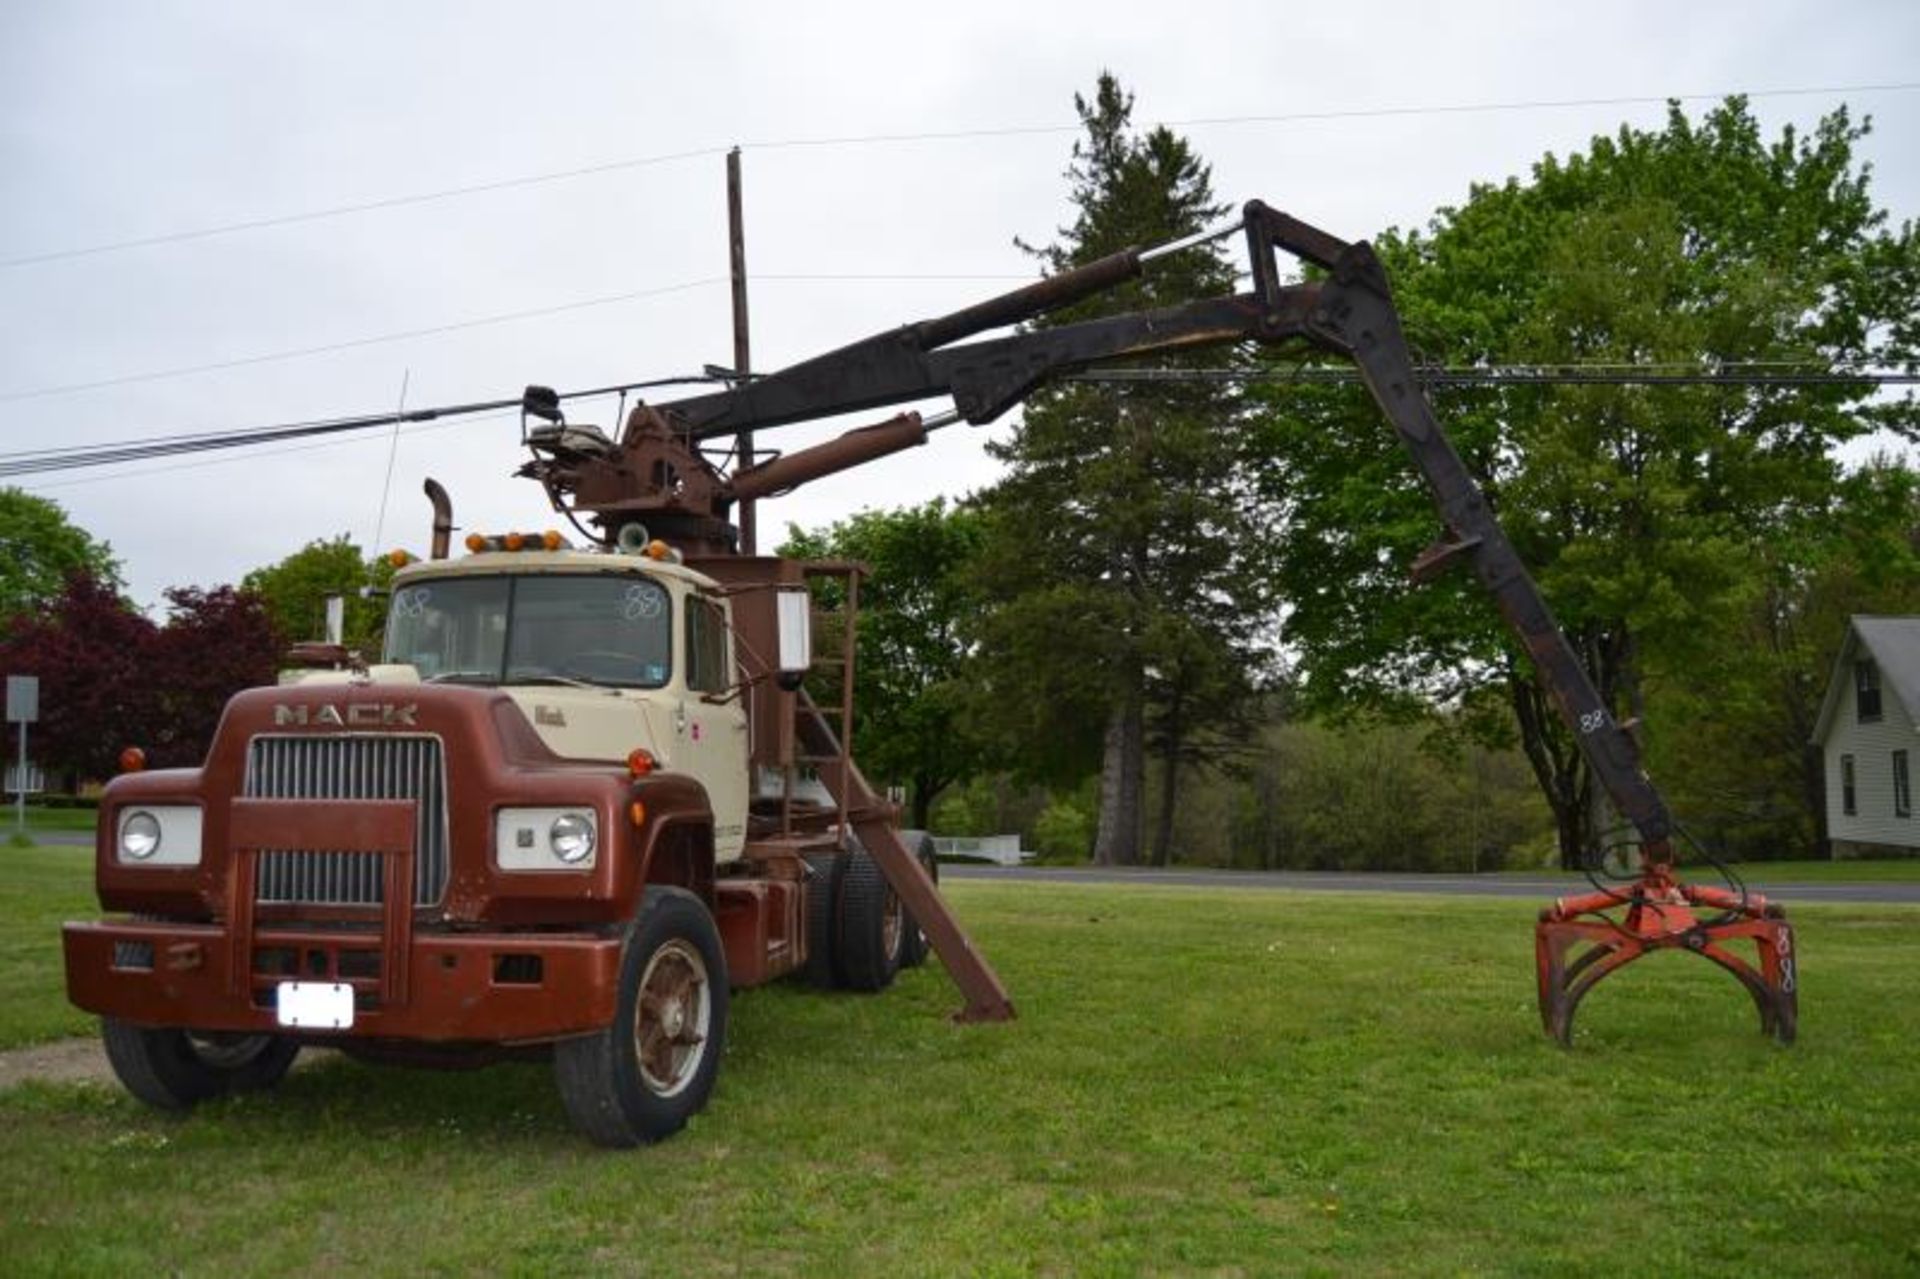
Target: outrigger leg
pixel 1659 914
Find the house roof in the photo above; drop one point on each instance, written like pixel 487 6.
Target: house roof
pixel 1894 645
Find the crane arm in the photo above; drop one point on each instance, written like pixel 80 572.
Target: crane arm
pixel 1348 312
pixel 658 471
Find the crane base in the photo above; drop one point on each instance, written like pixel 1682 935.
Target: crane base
pixel 1657 913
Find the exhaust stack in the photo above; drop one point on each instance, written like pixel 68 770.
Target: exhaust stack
pixel 442 517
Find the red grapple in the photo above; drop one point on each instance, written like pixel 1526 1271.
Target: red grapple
pixel 1659 914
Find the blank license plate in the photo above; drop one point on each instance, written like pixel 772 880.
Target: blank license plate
pixel 325 1005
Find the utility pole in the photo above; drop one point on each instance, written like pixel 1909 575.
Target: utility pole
pixel 742 358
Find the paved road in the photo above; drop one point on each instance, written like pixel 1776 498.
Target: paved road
pixel 1541 888
pixel 57 838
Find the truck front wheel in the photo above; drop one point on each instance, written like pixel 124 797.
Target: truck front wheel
pixel 640 1079
pixel 174 1069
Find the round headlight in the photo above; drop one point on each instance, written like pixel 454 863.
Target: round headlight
pixel 571 837
pixel 139 836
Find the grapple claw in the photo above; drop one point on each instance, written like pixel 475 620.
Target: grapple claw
pixel 1657 913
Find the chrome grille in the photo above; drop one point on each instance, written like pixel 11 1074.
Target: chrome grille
pixel 348 766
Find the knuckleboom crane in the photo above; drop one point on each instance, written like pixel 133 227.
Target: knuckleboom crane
pixel 656 480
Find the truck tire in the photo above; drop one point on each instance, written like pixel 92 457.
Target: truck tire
pixel 640 1079
pixel 823 904
pixel 176 1069
pixel 914 947
pixel 872 924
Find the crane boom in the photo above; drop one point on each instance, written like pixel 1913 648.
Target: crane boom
pixel 658 472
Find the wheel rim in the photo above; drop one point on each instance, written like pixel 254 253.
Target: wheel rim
pixel 893 925
pixel 227 1051
pixel 673 1018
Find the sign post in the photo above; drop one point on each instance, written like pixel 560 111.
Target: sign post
pixel 23 708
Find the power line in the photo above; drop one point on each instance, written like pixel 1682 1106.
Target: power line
pixel 505 317
pixel 346 210
pixel 269 357
pixel 886 277
pixel 1758 374
pixel 140 450
pixel 264 453
pixel 876 139
pixel 37 461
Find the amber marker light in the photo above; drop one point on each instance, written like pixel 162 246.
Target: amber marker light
pixel 515 541
pixel 637 813
pixel 133 760
pixel 476 542
pixel 640 761
pixel 551 539
pixel 656 549
pixel 399 559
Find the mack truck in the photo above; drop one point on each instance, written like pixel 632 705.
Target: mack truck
pixel 595 784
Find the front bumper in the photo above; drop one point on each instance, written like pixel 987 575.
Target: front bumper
pixel 501 988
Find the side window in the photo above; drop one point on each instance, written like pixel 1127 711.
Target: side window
pixel 706 647
pixel 1849 798
pixel 1902 786
pixel 1866 692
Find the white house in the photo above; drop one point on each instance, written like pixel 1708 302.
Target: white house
pixel 1867 736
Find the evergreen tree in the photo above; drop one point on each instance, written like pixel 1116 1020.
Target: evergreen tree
pixel 1121 544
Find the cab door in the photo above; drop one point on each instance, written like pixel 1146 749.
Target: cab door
pixel 710 736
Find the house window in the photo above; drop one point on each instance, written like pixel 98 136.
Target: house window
pixel 1902 788
pixel 1849 799
pixel 1866 692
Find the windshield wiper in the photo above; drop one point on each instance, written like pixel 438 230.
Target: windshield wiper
pixel 546 677
pixel 486 678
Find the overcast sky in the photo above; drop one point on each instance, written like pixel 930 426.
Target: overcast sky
pixel 132 120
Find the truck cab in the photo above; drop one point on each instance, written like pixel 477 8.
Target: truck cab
pixel 602 653
pixel 528 828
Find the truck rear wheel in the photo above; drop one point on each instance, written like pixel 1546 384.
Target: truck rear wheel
pixel 915 948
pixel 176 1069
pixel 873 925
pixel 823 906
pixel 640 1079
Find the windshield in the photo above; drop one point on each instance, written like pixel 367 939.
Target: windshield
pixel 549 628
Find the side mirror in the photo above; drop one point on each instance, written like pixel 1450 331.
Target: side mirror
pixel 793 609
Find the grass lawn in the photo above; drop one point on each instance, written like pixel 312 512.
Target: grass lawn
pixel 1897 870
pixel 1200 1082
pixel 81 819
pixel 39 887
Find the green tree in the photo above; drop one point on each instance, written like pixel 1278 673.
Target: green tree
pixel 1646 512
pixel 1369 794
pixel 1126 616
pixel 40 548
pixel 1737 736
pixel 296 589
pixel 909 671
